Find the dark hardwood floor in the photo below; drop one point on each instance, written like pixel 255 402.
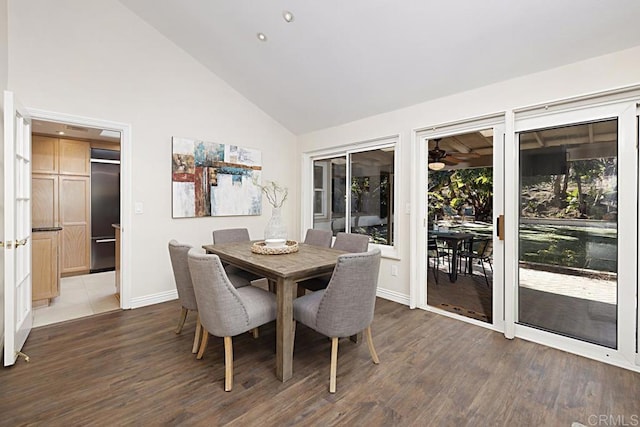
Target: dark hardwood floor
pixel 129 368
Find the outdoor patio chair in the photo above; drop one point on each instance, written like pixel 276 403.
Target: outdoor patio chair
pixel 483 252
pixel 435 252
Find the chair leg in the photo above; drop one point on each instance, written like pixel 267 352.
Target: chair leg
pixel 228 364
pixel 486 279
pixel 181 320
pixel 372 350
pixel 334 364
pixel 203 343
pixel 256 333
pixel 435 268
pixel 196 338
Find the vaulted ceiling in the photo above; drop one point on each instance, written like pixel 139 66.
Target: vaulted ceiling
pixel 342 60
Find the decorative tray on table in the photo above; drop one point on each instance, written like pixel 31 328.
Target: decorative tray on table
pixel 264 248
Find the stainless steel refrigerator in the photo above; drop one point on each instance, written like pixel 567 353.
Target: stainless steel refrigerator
pixel 105 208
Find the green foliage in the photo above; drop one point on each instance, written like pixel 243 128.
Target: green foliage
pixel 557 256
pixel 587 191
pixel 460 187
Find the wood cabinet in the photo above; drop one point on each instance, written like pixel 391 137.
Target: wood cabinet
pixel 45 265
pixel 44 190
pixel 74 205
pixel 44 154
pixel 74 157
pixel 61 195
pixel 60 156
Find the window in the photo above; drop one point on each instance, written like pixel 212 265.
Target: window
pixel 320 189
pixel 367 203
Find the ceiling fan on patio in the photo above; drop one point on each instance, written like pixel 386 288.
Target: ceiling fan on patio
pixel 439 158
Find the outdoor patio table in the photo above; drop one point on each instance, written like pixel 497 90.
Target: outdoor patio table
pixel 453 241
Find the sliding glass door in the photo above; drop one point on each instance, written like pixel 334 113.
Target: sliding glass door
pixel 574 203
pixel 461 252
pixel 460 212
pixel 568 230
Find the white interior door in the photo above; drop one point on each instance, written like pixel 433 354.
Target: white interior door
pixel 16 228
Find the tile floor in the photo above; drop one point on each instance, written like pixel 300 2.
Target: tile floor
pixel 80 296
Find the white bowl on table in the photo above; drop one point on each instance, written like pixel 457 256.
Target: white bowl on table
pixel 275 243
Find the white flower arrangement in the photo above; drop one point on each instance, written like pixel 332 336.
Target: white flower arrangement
pixel 276 195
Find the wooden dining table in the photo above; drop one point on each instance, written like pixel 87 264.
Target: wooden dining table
pixel 284 270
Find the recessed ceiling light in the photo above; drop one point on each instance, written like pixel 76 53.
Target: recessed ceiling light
pixel 262 37
pixel 60 132
pixel 288 16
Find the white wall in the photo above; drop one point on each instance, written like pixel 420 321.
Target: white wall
pixel 596 74
pixel 4 72
pixel 99 60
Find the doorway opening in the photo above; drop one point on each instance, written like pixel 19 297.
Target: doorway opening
pixel 460 224
pixel 75 217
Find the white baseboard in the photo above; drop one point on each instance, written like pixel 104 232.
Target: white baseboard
pixel 393 296
pixel 173 294
pixel 154 299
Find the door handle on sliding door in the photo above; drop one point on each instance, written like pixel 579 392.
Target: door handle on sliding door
pixel 500 227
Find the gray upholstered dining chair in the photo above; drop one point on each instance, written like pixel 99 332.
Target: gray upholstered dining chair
pixel 351 242
pixel 224 310
pixel 180 265
pixel 230 235
pixel 318 238
pixel 346 306
pixel 347 242
pixel 184 285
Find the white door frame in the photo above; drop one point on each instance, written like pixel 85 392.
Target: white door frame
pixel 562 114
pixel 417 288
pixel 125 186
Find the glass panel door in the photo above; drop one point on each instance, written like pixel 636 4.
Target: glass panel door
pixel 568 231
pixel 460 211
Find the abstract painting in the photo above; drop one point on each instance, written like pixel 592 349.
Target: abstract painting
pixel 211 179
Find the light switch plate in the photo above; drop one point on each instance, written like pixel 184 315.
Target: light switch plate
pixel 138 208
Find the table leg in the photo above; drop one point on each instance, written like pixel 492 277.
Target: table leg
pixel 453 274
pixel 469 259
pixel 285 292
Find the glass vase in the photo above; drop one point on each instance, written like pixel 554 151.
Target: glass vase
pixel 275 228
